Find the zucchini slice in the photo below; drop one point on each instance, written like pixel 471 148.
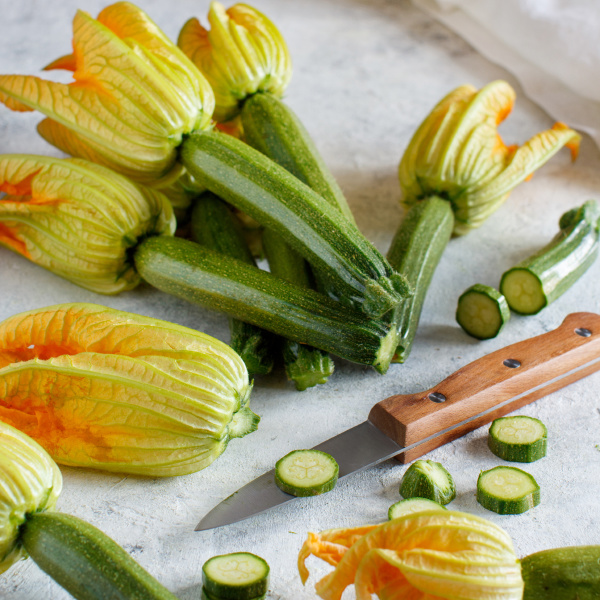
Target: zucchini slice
pixel 507 490
pixel 482 311
pixel 428 479
pixel 540 279
pixel 306 473
pixel 518 439
pixel 412 505
pixel 235 576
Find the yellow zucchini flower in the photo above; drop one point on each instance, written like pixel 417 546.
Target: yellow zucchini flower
pixel 133 98
pixel 457 154
pixel 78 219
pixel 243 53
pixel 421 556
pixel 111 390
pixel 30 482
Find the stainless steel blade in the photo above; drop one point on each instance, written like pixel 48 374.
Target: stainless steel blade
pixel 354 450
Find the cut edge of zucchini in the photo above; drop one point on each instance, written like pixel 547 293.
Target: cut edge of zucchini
pixel 412 505
pixel 306 473
pixel 523 291
pixel 235 576
pixel 482 311
pixel 518 438
pixel 507 490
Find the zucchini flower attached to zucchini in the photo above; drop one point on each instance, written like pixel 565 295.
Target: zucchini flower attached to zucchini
pixel 441 554
pixel 111 390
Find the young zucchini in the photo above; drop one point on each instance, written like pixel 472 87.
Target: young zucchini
pixel 415 253
pixel 571 573
pixel 85 561
pixel 254 184
pixel 412 505
pixel 213 226
pixel 235 576
pixel 306 473
pixel 482 311
pixel 428 479
pixel 518 439
pixel 540 279
pixel 507 490
pixel 202 276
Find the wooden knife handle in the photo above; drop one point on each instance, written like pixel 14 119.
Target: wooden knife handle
pixel 524 371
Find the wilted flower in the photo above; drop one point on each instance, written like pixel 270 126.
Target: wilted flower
pixel 78 219
pixel 111 390
pixel 457 154
pixel 29 482
pixel 243 53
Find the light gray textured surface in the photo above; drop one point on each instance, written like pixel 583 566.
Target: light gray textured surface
pixel 366 73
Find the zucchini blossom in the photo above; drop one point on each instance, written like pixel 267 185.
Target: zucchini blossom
pixel 111 390
pixel 421 556
pixel 243 53
pixel 77 219
pixel 30 482
pixel 457 154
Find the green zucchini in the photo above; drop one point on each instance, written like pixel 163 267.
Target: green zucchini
pixel 518 438
pixel 245 178
pixel 428 479
pixel 235 576
pixel 306 366
pixel 202 276
pixel 271 127
pixel 85 561
pixel 213 226
pixel 482 311
pixel 306 473
pixel 507 490
pixel 415 253
pixel 540 279
pixel 412 505
pixel 571 573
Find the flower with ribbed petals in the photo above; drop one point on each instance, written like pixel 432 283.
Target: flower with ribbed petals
pixel 111 390
pixel 133 97
pixel 457 154
pixel 29 482
pixel 78 219
pixel 243 53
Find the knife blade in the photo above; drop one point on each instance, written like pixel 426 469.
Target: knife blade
pixel 408 426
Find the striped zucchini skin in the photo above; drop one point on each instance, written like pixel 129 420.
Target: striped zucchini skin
pixel 85 561
pixel 273 128
pixel 212 225
pixel 256 185
pixel 415 252
pixel 202 276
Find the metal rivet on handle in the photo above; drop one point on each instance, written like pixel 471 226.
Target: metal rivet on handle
pixel 437 397
pixel 583 332
pixel 512 363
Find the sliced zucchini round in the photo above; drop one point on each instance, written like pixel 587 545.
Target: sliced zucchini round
pixel 306 473
pixel 412 505
pixel 428 479
pixel 524 290
pixel 235 576
pixel 482 311
pixel 507 490
pixel 518 439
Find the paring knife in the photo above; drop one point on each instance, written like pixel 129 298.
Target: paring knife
pixel 408 426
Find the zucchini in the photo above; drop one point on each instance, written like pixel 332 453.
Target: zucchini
pixel 306 473
pixel 540 279
pixel 85 561
pixel 235 576
pixel 428 479
pixel 571 573
pixel 507 490
pixel 213 226
pixel 412 505
pixel 202 276
pixel 254 184
pixel 482 311
pixel 305 365
pixel 204 595
pixel 518 439
pixel 271 127
pixel 415 253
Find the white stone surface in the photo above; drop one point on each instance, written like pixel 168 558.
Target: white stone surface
pixel 366 73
